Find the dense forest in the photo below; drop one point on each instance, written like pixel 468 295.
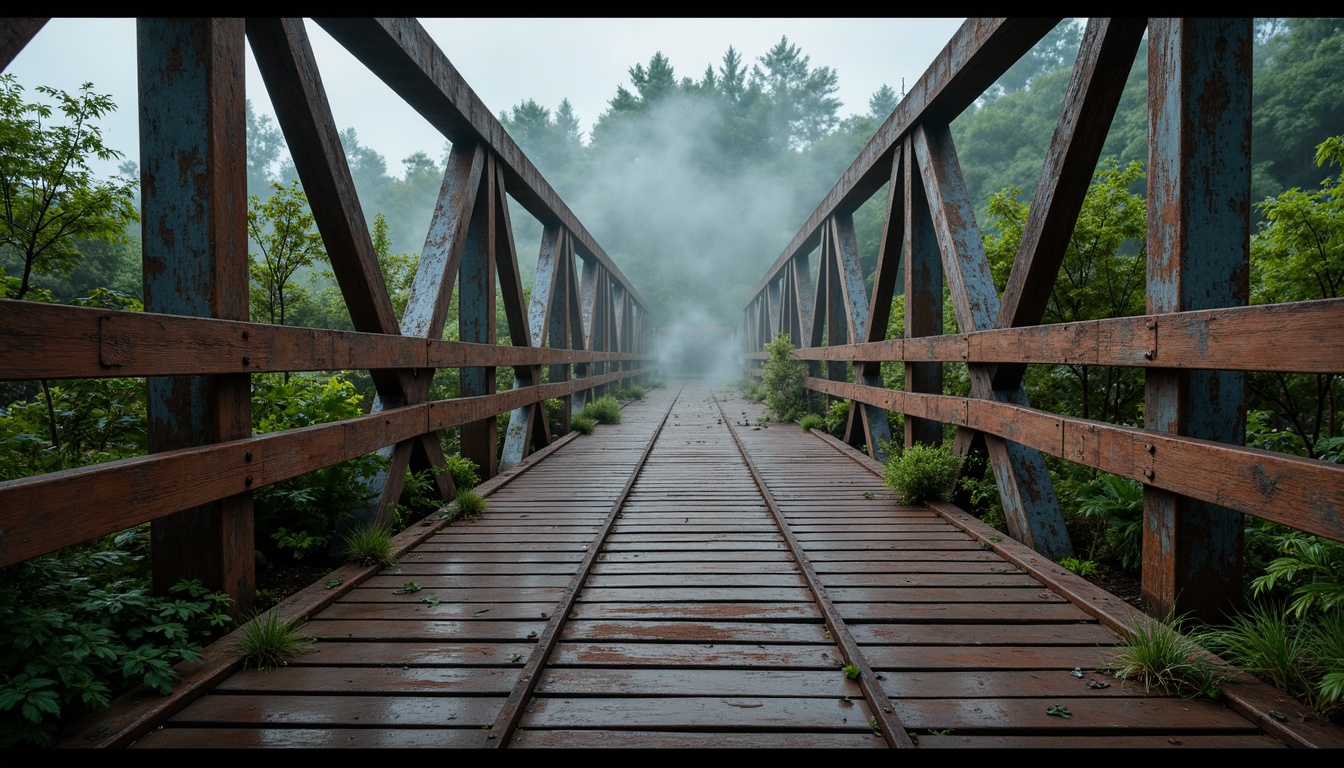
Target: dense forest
pixel 693 183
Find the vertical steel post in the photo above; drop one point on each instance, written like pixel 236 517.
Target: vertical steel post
pixel 193 161
pixel 1199 92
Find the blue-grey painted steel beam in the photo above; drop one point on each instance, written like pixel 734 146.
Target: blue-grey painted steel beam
pixel 194 213
pixel 1199 92
pixel 476 321
pixel 923 296
pixel 1025 488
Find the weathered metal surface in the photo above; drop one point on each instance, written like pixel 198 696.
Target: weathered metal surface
pixel 1198 258
pixel 15 34
pixel 972 60
pixel 406 58
pixel 195 263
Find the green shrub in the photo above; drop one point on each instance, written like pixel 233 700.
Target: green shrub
pixel 1117 503
pixel 783 377
pixel 369 545
pixel 299 517
pixel 1312 567
pixel 1159 655
pixel 582 424
pixel 465 471
pixel 1301 656
pixel 812 421
pixel 265 642
pixel 470 505
pixel 80 627
pixel 604 410
pixel 922 472
pixel 837 416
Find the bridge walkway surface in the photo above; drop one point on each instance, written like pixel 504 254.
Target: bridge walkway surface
pixel 638 588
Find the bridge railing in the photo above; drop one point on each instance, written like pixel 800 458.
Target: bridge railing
pixel 1194 345
pixel 583 321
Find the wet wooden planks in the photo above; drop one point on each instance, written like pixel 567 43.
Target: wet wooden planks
pixel 973 652
pixel 695 627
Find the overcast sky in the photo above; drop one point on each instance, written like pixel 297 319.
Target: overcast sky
pixel 507 61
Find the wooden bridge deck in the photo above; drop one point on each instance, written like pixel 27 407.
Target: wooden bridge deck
pixel 698 624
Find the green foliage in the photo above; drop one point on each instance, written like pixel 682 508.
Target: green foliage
pixel 837 416
pixel 81 627
pixel 627 394
pixel 582 424
pixel 1158 654
pixel 603 410
pixel 1303 657
pixel 1084 568
pixel 466 474
pixel 266 642
pixel 1117 503
pixel 297 518
pixel 812 421
pixel 1298 255
pixel 785 398
pixel 84 422
pixel 369 545
pixel 1102 275
pixel 49 199
pixel 470 504
pixel 922 472
pixel 283 229
pixel 1313 568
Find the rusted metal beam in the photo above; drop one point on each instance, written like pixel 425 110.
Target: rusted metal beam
pixel 476 320
pixel 971 61
pixel 192 156
pixel 1024 482
pixel 406 58
pixel 14 36
pixel 1199 91
pixel 923 295
pixel 1098 81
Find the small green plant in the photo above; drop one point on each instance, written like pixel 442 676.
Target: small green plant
pixel 922 472
pixel 582 424
pixel 1303 657
pixel 464 471
pixel 1117 503
pixel 408 588
pixel 604 410
pixel 266 642
pixel 812 421
pixel 369 545
pixel 1057 710
pixel 470 505
pixel 1084 568
pixel 783 377
pixel 1158 654
pixel 1313 567
pixel 851 671
pixel 837 416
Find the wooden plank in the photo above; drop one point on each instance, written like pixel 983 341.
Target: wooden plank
pixel 15 34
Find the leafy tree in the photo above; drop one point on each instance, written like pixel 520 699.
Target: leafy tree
pixel 1296 100
pixel 803 102
pixel 49 199
pixel 264 143
pixel 883 102
pixel 282 227
pixel 1298 255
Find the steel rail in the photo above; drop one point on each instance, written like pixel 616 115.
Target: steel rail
pixel 893 732
pixel 501 731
